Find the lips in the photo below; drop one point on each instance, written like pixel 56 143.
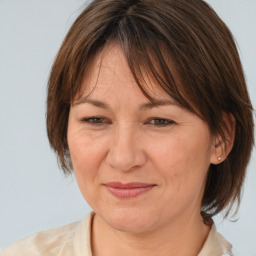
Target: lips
pixel 128 190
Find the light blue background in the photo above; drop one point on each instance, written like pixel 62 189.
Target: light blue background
pixel 34 195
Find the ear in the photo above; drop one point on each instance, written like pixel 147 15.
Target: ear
pixel 222 145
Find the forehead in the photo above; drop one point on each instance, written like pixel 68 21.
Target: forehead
pixel 109 70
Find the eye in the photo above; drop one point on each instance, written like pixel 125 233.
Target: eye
pixel 95 120
pixel 160 122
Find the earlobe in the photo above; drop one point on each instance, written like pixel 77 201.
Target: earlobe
pixel 217 155
pixel 223 142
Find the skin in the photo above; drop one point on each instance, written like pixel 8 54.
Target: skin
pixel 163 145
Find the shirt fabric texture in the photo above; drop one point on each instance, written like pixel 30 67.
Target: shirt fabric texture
pixel 75 240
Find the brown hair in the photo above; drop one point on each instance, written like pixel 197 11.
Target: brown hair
pixel 188 50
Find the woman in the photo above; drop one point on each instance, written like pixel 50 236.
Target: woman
pixel 148 105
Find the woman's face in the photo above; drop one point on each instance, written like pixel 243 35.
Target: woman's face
pixel 140 166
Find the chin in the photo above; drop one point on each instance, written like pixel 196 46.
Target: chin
pixel 129 220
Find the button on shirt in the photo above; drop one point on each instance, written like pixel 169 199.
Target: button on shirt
pixel 74 240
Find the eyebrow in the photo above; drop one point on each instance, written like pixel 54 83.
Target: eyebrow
pixel 95 103
pixel 157 103
pixel 145 106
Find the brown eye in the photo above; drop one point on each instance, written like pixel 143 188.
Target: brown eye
pixel 161 122
pixel 95 120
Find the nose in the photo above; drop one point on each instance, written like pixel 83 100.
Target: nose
pixel 126 150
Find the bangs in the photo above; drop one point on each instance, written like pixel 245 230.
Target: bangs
pixel 150 61
pixel 151 58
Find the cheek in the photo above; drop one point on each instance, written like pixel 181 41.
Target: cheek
pixel 85 151
pixel 183 163
pixel 86 155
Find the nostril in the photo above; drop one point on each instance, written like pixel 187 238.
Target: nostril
pixel 125 158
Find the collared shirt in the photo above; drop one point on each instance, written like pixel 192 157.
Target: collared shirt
pixel 75 240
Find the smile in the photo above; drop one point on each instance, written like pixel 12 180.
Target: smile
pixel 128 190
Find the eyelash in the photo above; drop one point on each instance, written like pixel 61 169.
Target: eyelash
pixel 99 121
pixel 93 120
pixel 163 122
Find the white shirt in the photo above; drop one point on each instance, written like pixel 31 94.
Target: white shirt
pixel 75 240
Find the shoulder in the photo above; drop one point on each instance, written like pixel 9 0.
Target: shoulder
pixel 49 242
pixel 54 242
pixel 216 244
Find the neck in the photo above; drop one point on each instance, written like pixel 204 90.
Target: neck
pixel 183 238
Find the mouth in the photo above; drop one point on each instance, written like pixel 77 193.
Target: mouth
pixel 128 190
